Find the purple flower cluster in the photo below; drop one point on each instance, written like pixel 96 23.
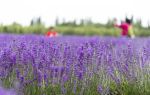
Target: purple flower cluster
pixel 31 59
pixel 6 92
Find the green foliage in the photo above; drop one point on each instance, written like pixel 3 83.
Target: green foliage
pixel 85 27
pixel 87 30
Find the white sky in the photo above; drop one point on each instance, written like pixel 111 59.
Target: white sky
pixel 22 11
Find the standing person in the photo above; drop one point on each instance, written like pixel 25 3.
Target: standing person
pixel 51 32
pixel 130 30
pixel 126 27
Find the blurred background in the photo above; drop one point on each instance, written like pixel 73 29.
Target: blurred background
pixel 73 17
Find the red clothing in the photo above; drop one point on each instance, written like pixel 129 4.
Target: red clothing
pixel 125 28
pixel 54 33
pixel 48 33
pixel 51 34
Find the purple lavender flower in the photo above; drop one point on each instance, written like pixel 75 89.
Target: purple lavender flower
pixel 100 88
pixel 7 92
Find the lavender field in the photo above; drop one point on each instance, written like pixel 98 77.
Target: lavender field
pixel 74 65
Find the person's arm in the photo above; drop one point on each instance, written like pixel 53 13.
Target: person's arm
pixel 116 25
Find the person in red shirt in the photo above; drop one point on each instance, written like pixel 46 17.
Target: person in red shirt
pixel 125 27
pixel 51 32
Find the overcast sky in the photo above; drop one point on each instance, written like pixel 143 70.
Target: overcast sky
pixel 22 11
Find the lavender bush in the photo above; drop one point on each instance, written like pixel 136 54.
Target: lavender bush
pixel 75 65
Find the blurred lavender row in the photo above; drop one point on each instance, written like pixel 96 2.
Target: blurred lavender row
pixel 73 62
pixel 7 91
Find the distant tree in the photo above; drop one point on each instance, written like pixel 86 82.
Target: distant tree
pixel 81 22
pixel 39 22
pixel 74 23
pixel 84 22
pixel 110 23
pixel 32 22
pixel 138 23
pixel 64 21
pixel 5 29
pixel 148 24
pixel 88 21
pixel 36 21
pixel 57 21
